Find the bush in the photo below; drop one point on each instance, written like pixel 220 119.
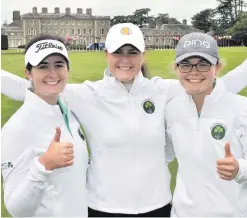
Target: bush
pixel 21 46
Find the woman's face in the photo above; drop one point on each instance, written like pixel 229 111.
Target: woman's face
pixel 201 77
pixel 49 78
pixel 125 63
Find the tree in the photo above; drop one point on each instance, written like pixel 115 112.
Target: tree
pixel 227 13
pixel 204 20
pixel 163 18
pixel 140 16
pixel 240 28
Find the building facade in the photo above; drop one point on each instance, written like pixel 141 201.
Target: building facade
pixel 81 29
pixel 166 35
pixel 78 28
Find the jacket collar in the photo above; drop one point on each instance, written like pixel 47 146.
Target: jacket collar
pixel 35 102
pixel 110 82
pixel 212 99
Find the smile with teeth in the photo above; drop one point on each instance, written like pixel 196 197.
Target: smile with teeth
pixel 194 80
pixel 52 82
pixel 124 67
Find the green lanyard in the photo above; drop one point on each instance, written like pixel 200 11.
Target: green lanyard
pixel 65 113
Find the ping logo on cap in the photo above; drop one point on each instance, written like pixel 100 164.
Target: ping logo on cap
pixel 196 42
pixel 126 31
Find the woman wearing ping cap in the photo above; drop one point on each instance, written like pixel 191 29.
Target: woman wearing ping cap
pixel 212 158
pixel 123 118
pixel 44 155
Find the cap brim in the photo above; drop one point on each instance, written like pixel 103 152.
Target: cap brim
pixel 118 45
pixel 210 58
pixel 36 60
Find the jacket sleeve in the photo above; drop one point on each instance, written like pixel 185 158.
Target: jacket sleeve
pixel 240 138
pixel 169 150
pixel 13 86
pixel 236 79
pixel 25 179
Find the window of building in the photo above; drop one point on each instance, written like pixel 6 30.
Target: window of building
pixel 78 22
pixel 55 23
pixel 73 22
pixel 102 32
pixel 61 31
pixel 61 22
pixel 32 22
pixel 43 22
pixel 84 32
pixel 49 22
pixel 90 32
pixel 73 31
pixel 67 22
pixel 103 23
pixel 90 22
pixel 79 32
pixel 31 31
pixel 85 22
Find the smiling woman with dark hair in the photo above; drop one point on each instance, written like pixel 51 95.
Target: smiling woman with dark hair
pixel 44 158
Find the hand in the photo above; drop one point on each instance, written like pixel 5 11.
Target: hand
pixel 228 167
pixel 59 154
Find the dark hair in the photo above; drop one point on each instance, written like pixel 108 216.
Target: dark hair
pixel 43 37
pixel 145 71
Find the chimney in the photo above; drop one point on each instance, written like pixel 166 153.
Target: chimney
pixel 79 10
pixel 184 22
pixel 44 10
pixel 57 10
pixel 35 11
pixel 89 11
pixel 158 24
pixel 67 10
pixel 16 16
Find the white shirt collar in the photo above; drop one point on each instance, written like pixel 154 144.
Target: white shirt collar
pixel 37 103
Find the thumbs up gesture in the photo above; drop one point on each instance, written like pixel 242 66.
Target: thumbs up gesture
pixel 59 154
pixel 227 167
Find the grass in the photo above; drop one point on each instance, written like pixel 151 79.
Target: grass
pixel 90 66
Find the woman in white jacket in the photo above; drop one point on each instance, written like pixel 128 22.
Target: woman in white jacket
pixel 123 118
pixel 44 154
pixel 209 147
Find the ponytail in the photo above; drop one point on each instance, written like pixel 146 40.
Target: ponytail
pixel 144 70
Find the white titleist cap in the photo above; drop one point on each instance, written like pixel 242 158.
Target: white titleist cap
pixel 41 49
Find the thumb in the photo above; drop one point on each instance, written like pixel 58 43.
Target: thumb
pixel 57 135
pixel 228 152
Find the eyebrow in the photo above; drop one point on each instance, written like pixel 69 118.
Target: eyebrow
pixel 56 62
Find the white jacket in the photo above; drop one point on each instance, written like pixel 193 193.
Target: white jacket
pixel 128 172
pixel 198 144
pixel 29 189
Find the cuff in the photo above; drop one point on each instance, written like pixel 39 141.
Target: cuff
pixel 39 172
pixel 242 173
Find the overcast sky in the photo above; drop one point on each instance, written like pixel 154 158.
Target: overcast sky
pixel 180 9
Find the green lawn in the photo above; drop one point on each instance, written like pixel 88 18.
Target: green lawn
pixel 90 66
